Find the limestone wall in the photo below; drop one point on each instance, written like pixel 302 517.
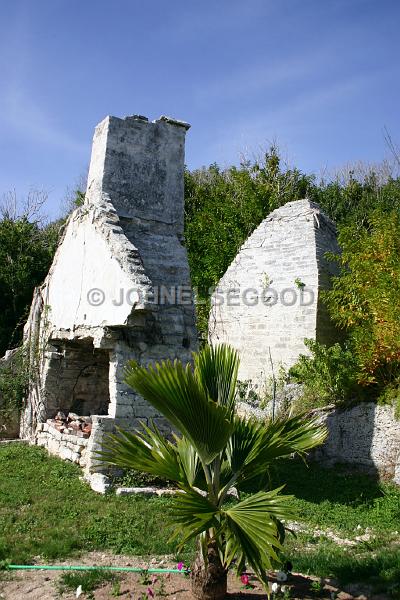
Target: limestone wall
pixel 268 300
pixel 68 447
pixel 118 289
pixel 94 254
pixel 366 436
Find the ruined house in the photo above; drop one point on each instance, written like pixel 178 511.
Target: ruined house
pixel 119 288
pixel 268 301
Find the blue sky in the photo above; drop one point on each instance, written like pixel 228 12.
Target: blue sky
pixel 321 77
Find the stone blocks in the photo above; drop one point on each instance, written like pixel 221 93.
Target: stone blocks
pixel 100 304
pixel 268 300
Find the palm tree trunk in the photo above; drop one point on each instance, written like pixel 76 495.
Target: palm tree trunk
pixel 209 581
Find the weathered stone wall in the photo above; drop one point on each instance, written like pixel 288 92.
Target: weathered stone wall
pixel 68 447
pixel 366 436
pixel 268 300
pixel 118 289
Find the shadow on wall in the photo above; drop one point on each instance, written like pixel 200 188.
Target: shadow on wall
pixel 317 484
pixel 365 437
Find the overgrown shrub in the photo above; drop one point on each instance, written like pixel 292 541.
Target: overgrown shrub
pixel 391 395
pixel 364 299
pixel 134 478
pixel 26 252
pixel 328 374
pixel 13 385
pixel 223 207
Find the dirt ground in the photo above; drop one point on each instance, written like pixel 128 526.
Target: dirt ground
pixel 43 585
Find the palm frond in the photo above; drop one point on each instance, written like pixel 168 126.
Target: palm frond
pixel 251 532
pixel 216 368
pixel 193 513
pixel 188 457
pixel 174 391
pixel 146 451
pixel 254 445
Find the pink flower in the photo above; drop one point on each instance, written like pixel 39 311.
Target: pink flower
pixel 245 579
pixel 180 566
pixel 150 593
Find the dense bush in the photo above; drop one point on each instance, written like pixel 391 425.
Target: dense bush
pixel 13 385
pixel 223 207
pixel 26 252
pixel 364 299
pixel 349 200
pixel 328 374
pixel 363 302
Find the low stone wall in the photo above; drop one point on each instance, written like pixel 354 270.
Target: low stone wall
pixel 66 446
pixel 82 450
pixel 366 436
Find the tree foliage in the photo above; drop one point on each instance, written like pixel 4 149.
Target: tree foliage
pixel 364 299
pixel 223 207
pixel 26 252
pixel 329 375
pixel 349 200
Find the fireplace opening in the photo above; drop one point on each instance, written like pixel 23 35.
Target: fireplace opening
pixel 77 380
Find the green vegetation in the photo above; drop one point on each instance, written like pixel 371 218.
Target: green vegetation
pixel 223 207
pixel 329 375
pixel 13 383
pixel 88 580
pixel 338 499
pixel 364 298
pixel 46 510
pixel 135 478
pixel 26 252
pixel 217 450
pixel 363 303
pixel 355 508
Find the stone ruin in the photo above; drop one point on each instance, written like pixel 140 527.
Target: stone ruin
pixel 118 289
pixel 268 301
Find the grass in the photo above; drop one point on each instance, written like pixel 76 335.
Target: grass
pixel 88 580
pixel 348 505
pixel 379 568
pixel 46 511
pixel 338 499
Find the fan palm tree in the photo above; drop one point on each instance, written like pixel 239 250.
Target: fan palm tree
pixel 214 451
